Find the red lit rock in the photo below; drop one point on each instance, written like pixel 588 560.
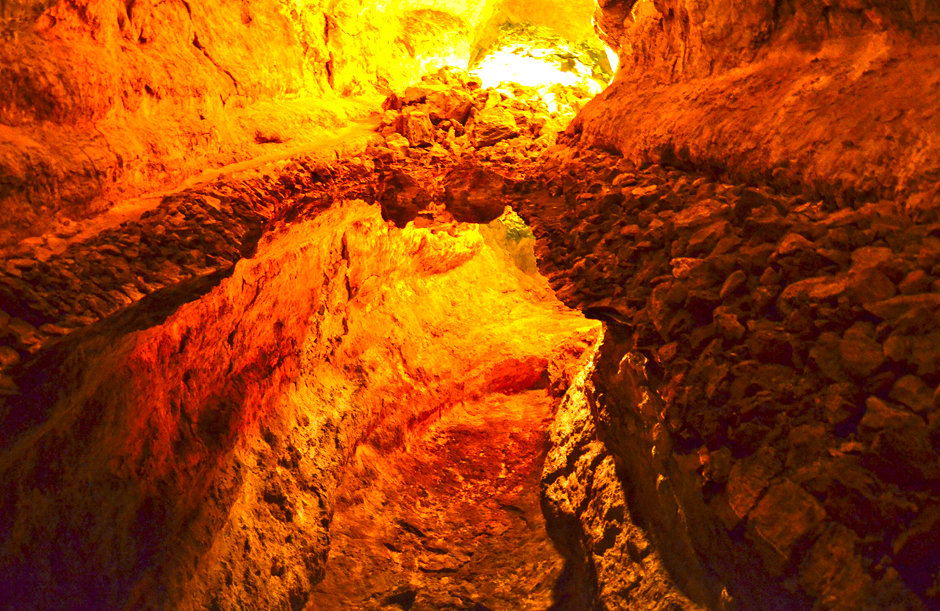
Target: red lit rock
pixel 493 125
pixel 785 516
pixel 474 194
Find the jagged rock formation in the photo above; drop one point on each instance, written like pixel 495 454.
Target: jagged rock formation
pixel 767 385
pixel 191 460
pixel 106 99
pixel 758 428
pixel 826 98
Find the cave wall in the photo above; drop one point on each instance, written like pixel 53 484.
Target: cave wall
pixel 834 100
pixel 105 99
pixel 190 461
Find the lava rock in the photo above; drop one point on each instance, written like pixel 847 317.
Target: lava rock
pixel 493 125
pixel 474 193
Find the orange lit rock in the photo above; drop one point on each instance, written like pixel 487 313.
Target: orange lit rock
pixel 819 97
pixel 191 460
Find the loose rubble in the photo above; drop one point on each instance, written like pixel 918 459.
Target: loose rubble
pixel 794 351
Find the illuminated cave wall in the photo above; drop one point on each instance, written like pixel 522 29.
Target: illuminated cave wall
pixel 832 99
pixel 105 99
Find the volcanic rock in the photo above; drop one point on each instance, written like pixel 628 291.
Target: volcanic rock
pixel 493 125
pixel 474 193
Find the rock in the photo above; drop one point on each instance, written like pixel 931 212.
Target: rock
pixel 474 193
pixel 840 403
pixel 453 105
pixel 827 355
pixel 918 548
pixel 791 243
pixel 869 285
pixel 892 309
pixel 900 449
pixel 861 354
pixel 402 197
pixel 7 386
pixel 417 128
pixel 728 324
pixel 834 572
pixel 869 257
pixel 915 282
pixel 8 357
pixel 734 282
pixel 493 125
pixel 785 517
pixel 811 289
pixel 748 479
pixel 913 392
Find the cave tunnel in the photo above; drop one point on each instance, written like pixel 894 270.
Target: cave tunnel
pixel 470 305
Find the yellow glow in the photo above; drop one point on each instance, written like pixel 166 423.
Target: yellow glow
pixel 532 70
pixel 612 58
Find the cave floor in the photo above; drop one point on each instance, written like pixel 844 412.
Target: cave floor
pixel 450 521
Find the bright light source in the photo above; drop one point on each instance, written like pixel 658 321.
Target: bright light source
pixel 531 70
pixel 612 58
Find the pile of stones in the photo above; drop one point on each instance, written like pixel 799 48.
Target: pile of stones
pixel 449 113
pixel 796 349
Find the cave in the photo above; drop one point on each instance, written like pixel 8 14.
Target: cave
pixel 470 305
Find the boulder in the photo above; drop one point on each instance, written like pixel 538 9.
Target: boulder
pixel 474 194
pixel 493 125
pixel 402 197
pixel 417 128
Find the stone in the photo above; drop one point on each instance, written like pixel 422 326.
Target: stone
pixel 892 309
pixel 417 128
pixel 869 285
pixel 748 479
pixel 915 282
pixel 786 516
pixel 861 355
pixel 402 198
pixel 870 256
pixel 474 193
pixel 453 104
pixel 900 449
pixel 734 282
pixel 791 243
pixel 925 353
pixel 911 391
pixel 728 324
pixel 8 357
pixel 7 386
pixel 839 402
pixel 493 125
pixel 919 546
pixel 811 289
pixel 397 143
pixel 834 572
pixel 827 355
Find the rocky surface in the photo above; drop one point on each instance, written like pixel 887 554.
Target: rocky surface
pixel 768 382
pixel 105 99
pixel 758 428
pixel 825 98
pixel 182 393
pixel 452 521
pixel 613 563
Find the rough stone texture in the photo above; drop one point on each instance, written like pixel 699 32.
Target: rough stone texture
pixel 829 98
pixel 105 99
pixel 474 194
pixel 768 397
pixel 612 563
pixel 185 452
